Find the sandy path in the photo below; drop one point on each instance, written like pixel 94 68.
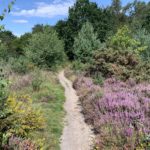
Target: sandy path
pixel 77 135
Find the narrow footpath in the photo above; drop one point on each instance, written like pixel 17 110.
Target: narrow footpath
pixel 77 135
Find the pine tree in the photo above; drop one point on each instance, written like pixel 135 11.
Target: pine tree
pixel 86 43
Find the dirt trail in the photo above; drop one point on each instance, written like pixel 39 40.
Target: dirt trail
pixel 77 135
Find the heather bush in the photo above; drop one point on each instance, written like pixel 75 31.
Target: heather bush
pixel 120 64
pixel 20 82
pixel 19 143
pixel 120 116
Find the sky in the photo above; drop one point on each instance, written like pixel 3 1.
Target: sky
pixel 27 13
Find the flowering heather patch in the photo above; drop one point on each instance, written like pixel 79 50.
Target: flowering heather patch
pixel 121 117
pixel 21 144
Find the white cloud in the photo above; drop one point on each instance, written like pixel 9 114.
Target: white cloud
pixel 20 21
pixel 42 9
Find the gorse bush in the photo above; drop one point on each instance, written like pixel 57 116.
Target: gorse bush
pixel 29 120
pixel 45 49
pixel 17 116
pixel 122 64
pixel 121 116
pixel 21 119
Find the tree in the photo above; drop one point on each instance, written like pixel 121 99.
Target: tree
pixel 38 28
pixel 144 37
pixel 5 11
pixel 140 15
pixel 116 6
pixel 86 43
pixel 7 38
pixel 20 43
pixel 119 13
pixel 7 33
pixel 3 51
pixel 124 40
pixel 79 14
pixel 45 48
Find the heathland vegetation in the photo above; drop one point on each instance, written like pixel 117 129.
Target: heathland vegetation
pixel 109 52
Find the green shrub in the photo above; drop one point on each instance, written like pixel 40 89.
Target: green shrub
pixel 17 116
pixel 98 79
pixel 21 65
pixel 121 64
pixel 79 66
pixel 3 51
pixel 37 81
pixel 45 49
pixel 3 92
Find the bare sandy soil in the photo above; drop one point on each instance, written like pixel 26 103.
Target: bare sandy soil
pixel 77 135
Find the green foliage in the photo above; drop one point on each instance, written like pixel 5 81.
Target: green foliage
pixel 120 64
pixel 144 37
pixel 7 10
pixel 37 81
pixel 98 78
pixel 17 115
pixel 50 99
pixel 7 37
pixel 140 15
pixel 21 65
pixel 3 91
pixel 8 44
pixel 45 49
pixel 25 116
pixel 18 44
pixel 86 43
pixel 83 11
pixel 3 51
pixel 21 118
pixel 123 40
pixel 79 66
pixel 38 28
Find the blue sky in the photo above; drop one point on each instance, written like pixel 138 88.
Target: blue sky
pixel 27 13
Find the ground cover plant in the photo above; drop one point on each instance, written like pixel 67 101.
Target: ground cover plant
pixel 18 118
pixel 119 112
pixel 49 98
